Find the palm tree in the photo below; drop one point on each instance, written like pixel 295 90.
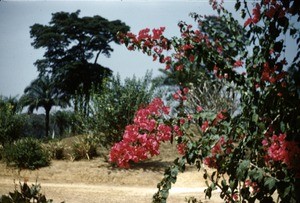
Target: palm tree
pixel 42 92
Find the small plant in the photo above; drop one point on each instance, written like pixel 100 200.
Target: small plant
pixel 25 195
pixel 56 149
pixel 192 200
pixel 26 153
pixel 85 147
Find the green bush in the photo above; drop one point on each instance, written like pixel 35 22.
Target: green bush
pixel 11 123
pixel 85 147
pixel 26 153
pixel 114 109
pixel 25 195
pixel 56 149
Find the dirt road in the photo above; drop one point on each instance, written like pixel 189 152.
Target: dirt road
pixel 103 193
pixel 96 181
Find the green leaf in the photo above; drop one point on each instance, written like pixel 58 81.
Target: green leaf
pixel 270 183
pixel 278 46
pixel 208 192
pixel 174 172
pixel 243 13
pixel 293 31
pixel 287 191
pixel 259 175
pixel 256 174
pixel 237 5
pixel 255 117
pixel 232 44
pixel 242 170
pixel 233 184
pixel 282 126
pixel 213 175
pixel 223 183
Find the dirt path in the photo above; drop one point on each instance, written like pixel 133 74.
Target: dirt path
pixel 90 193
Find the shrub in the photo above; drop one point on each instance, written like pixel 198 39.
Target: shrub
pixel 85 147
pixel 26 194
pixel 11 123
pixel 56 149
pixel 26 153
pixel 114 109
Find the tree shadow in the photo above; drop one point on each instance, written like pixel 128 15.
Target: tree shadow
pixel 148 165
pixel 151 165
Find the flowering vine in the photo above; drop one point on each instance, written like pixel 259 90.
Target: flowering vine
pixel 257 148
pixel 141 140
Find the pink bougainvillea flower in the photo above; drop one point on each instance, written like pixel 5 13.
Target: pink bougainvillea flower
pixel 199 108
pixel 256 16
pixel 181 148
pixel 238 63
pixel 204 126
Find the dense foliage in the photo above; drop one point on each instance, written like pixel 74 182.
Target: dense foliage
pixel 72 46
pixel 117 103
pixel 11 123
pixel 253 153
pixel 26 153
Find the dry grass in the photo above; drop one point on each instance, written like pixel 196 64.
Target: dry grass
pixel 97 180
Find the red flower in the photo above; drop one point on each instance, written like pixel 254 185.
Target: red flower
pixel 248 21
pixel 215 69
pixel 256 16
pixel 279 149
pixel 187 47
pixel 204 126
pixel 211 162
pixel 181 148
pixel 179 68
pixel 191 58
pixel 199 108
pixel 143 34
pixel 141 139
pixel 157 33
pixel 220 49
pixel 238 63
pixel 176 96
pixel 185 90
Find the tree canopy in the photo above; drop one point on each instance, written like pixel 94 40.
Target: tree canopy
pixel 72 46
pixel 42 93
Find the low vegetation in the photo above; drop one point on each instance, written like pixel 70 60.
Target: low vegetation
pixel 25 194
pixel 26 153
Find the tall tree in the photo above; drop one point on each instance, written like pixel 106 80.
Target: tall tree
pixel 72 49
pixel 43 93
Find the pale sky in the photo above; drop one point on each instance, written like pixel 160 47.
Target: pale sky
pixel 17 55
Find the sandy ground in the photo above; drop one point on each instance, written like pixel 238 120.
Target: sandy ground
pixel 96 181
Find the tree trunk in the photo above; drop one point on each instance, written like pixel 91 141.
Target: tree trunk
pixel 47 121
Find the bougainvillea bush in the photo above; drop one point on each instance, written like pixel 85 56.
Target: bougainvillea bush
pixel 254 153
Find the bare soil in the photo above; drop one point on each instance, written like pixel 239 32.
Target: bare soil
pixel 96 181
